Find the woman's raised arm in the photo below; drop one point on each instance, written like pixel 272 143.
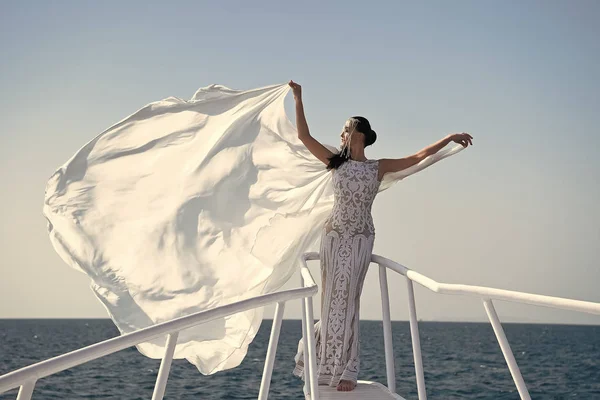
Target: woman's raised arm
pixel 398 164
pixel 312 144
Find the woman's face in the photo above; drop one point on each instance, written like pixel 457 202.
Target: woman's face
pixel 345 133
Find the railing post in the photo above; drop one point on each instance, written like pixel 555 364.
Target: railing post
pixel 26 391
pixel 416 341
pixel 271 351
pixel 305 334
pixel 310 343
pixel 165 367
pixel 387 330
pixel 506 350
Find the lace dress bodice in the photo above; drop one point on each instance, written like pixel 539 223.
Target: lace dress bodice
pixel 355 186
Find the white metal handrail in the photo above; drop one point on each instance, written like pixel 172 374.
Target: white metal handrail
pixel 27 377
pixel 485 294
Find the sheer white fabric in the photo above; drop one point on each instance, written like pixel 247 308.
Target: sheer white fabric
pixel 189 205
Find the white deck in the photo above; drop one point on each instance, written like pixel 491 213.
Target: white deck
pixel 363 390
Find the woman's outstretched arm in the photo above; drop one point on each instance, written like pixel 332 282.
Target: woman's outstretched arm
pixel 398 164
pixel 312 144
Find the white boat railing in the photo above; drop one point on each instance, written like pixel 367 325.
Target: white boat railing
pixel 27 377
pixel 486 294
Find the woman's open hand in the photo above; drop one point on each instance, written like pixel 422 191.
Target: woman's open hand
pixel 463 138
pixel 297 89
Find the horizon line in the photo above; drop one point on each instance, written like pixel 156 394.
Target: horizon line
pixel 299 319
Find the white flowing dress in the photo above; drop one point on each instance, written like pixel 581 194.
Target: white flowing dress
pixel 188 205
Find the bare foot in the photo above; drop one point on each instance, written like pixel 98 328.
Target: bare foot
pixel 345 386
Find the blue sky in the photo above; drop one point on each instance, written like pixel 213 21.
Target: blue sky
pixel 519 210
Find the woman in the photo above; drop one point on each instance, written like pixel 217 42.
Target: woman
pixel 347 241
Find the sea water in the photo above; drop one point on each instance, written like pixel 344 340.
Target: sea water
pixel 461 361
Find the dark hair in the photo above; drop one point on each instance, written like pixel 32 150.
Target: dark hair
pixel 363 126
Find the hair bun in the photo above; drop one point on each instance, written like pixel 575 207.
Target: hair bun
pixel 370 138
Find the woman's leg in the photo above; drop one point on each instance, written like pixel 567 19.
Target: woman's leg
pixel 362 247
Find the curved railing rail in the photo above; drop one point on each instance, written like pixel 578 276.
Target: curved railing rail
pixel 486 294
pixel 27 377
